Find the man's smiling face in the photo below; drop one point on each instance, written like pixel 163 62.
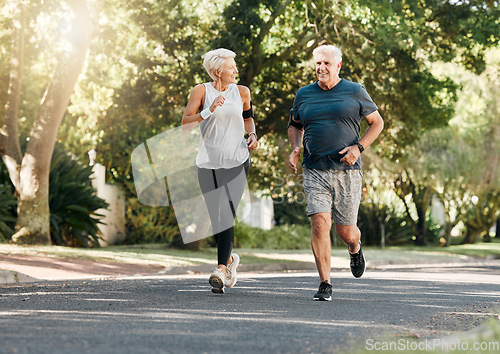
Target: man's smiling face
pixel 327 70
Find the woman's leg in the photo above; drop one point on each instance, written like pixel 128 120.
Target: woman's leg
pixel 233 182
pixel 211 195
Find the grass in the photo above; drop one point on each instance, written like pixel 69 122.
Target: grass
pixel 485 339
pixel 480 249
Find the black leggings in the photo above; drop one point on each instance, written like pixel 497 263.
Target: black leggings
pixel 222 190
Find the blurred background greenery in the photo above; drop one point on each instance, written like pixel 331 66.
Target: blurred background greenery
pixel 431 66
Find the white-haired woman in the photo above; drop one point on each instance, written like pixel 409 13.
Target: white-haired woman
pixel 223 111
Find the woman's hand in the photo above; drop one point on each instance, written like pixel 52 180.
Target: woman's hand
pixel 252 142
pixel 218 101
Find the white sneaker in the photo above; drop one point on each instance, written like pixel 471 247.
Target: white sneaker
pixel 217 281
pixel 231 277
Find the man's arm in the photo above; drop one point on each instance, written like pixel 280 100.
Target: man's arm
pixel 376 124
pixel 295 137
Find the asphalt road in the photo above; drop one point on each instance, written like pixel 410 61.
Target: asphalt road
pixel 264 313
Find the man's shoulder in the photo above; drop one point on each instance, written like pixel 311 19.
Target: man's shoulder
pixel 308 88
pixel 351 85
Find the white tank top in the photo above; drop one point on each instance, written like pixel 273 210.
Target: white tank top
pixel 222 142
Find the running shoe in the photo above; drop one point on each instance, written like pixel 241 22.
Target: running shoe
pixel 217 281
pixel 324 292
pixel 231 277
pixel 358 264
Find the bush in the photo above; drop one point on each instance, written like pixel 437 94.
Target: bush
pixel 147 224
pixel 72 202
pixel 7 212
pixel 279 237
pixel 396 227
pixel 290 213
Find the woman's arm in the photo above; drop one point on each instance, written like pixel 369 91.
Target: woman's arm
pixel 192 116
pixel 252 142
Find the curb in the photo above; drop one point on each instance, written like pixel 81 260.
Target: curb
pixel 9 277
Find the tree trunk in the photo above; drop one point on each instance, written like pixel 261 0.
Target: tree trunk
pixel 9 134
pixel 448 226
pixel 471 235
pixel 33 223
pixel 421 232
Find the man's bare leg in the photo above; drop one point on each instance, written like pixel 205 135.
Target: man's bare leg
pixel 350 235
pixel 321 224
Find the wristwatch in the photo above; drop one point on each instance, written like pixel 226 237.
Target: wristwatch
pixel 361 147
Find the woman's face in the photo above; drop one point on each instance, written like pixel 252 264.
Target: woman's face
pixel 227 72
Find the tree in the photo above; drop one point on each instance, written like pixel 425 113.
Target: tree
pixel 459 163
pixel 486 132
pixel 143 79
pixel 29 171
pixel 138 86
pixel 415 188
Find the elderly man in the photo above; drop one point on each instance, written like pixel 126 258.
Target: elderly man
pixel 326 117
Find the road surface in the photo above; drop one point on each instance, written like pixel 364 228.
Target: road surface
pixel 264 313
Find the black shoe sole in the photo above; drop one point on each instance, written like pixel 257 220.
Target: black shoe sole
pixel 217 285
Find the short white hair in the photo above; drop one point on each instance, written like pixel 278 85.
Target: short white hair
pixel 329 50
pixel 213 60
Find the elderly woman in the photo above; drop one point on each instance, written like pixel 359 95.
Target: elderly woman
pixel 223 111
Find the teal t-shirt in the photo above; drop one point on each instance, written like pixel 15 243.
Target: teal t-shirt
pixel 331 121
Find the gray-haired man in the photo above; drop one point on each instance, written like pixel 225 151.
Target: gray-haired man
pixel 326 117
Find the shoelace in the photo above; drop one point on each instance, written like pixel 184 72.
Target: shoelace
pixel 356 259
pixel 323 286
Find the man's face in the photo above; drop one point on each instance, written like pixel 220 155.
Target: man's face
pixel 327 70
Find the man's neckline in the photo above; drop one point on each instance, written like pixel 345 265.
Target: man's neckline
pixel 323 89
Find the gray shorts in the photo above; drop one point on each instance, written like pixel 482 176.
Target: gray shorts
pixel 333 190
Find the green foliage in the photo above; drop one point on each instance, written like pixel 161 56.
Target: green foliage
pixel 290 213
pixel 146 57
pixel 279 237
pixel 7 212
pixel 138 86
pixel 8 205
pixel 72 201
pixel 150 224
pixel 371 219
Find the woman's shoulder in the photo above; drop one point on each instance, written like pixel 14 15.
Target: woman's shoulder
pixel 244 91
pixel 198 89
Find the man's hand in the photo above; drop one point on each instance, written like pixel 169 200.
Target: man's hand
pixel 293 159
pixel 351 155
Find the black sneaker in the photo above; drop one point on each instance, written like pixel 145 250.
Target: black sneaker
pixel 358 264
pixel 324 292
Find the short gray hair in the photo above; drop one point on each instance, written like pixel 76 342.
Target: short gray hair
pixel 213 60
pixel 329 50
